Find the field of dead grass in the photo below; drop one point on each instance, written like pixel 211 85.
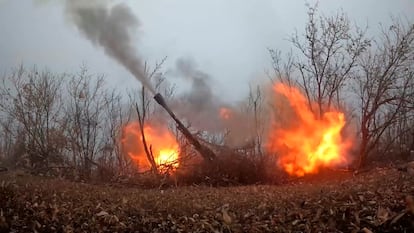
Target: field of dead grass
pixel 379 200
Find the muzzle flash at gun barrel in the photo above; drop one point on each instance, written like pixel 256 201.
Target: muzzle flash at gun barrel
pixel 203 150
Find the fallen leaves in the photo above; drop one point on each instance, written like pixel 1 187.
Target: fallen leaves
pixel 383 215
pixel 410 203
pixel 376 201
pixel 102 214
pixel 225 215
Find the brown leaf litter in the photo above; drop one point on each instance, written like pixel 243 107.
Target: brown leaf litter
pixel 380 200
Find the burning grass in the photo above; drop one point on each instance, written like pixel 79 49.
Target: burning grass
pixel 379 200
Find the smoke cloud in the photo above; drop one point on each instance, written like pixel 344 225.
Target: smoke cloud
pixel 198 105
pixel 109 27
pixel 205 110
pixel 200 96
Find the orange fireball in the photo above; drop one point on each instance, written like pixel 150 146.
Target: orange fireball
pixel 225 113
pixel 303 142
pixel 162 142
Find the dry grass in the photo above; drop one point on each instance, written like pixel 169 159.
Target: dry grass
pixel 379 200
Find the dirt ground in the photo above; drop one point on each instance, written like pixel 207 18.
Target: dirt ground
pixel 378 200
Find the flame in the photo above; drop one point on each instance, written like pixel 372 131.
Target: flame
pixel 164 146
pixel 225 113
pixel 305 143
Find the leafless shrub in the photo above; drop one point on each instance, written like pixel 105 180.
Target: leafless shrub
pixel 385 87
pixel 327 57
pixel 84 119
pixel 33 100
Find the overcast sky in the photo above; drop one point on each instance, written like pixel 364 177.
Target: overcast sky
pixel 228 39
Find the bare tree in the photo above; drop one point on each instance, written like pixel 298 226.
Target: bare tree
pixel 385 85
pixel 326 58
pixel 142 117
pixel 85 116
pixel 117 113
pixel 283 70
pixel 256 109
pixel 8 139
pixel 397 140
pixel 33 99
pixel 145 108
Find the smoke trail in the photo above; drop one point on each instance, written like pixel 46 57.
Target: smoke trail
pixel 109 27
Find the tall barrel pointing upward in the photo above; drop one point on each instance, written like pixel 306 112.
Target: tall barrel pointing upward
pixel 203 150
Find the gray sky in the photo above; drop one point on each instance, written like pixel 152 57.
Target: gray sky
pixel 226 38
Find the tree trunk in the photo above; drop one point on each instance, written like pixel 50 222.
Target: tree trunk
pixel 363 153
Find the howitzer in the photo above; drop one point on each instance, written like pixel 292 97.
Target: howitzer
pixel 204 151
